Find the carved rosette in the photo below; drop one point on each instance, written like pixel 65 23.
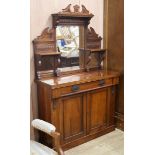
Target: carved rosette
pixel 76 8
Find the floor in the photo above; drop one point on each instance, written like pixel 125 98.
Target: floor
pixel 109 144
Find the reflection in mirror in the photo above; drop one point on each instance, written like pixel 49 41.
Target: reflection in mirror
pixel 68 44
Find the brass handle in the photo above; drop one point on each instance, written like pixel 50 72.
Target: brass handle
pixel 75 88
pixel 101 82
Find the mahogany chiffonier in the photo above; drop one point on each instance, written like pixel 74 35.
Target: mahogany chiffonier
pixel 77 97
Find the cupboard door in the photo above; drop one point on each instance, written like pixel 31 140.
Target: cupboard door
pixel 97 102
pixel 73 117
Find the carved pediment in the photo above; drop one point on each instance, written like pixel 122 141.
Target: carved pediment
pixel 47 34
pixel 91 33
pixel 45 42
pixel 93 39
pixel 76 8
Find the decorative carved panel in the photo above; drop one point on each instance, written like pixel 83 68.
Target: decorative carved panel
pixel 46 57
pixel 67 17
pixel 45 42
pixel 93 40
pixel 93 53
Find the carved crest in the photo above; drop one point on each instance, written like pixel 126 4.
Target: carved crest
pixel 67 10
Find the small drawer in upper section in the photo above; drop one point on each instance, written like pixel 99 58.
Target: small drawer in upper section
pixel 78 88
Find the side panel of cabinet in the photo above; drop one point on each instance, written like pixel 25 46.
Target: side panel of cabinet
pixel 73 117
pixel 44 109
pixel 111 106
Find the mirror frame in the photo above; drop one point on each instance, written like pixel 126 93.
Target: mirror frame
pixel 68 18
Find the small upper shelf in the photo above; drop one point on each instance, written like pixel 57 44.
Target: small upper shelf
pixel 96 50
pixel 93 50
pixel 48 53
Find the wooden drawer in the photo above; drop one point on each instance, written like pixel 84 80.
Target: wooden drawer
pixel 77 88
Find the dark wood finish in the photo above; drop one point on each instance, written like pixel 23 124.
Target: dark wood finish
pixel 101 109
pixel 45 54
pixel 69 62
pixel 71 19
pixel 74 117
pixel 87 138
pixel 66 17
pixel 93 54
pixel 85 86
pixel 119 118
pixel 45 42
pixel 93 40
pixel 114 41
pixel 80 105
pixel 67 10
pixel 48 57
pixel 80 108
pixel 97 108
pixel 81 78
pixel 94 59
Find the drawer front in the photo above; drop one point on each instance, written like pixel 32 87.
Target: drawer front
pixel 80 88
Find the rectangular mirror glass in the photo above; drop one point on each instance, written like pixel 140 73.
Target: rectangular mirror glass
pixel 68 43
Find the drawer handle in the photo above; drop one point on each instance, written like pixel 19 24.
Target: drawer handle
pixel 101 82
pixel 75 88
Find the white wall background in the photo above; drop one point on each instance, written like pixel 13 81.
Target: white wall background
pixel 41 11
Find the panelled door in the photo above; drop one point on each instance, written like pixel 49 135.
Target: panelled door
pixel 81 114
pixel 73 117
pixel 100 110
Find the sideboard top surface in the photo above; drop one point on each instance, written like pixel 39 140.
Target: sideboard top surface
pixel 67 80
